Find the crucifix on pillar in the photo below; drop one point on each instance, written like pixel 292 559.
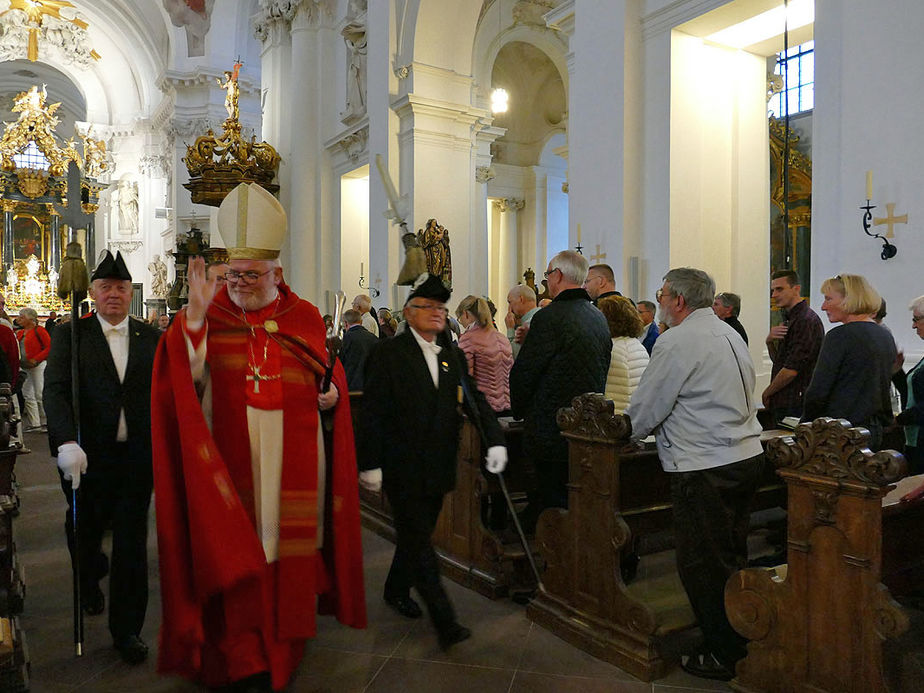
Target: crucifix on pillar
pixel 598 256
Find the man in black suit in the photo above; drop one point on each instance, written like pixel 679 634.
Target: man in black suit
pixel 108 458
pixel 414 386
pixel 357 344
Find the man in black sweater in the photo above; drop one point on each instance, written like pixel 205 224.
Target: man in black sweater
pixel 565 354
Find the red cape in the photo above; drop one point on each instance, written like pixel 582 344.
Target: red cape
pixel 211 559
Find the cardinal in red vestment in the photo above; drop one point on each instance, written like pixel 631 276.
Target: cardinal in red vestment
pixel 254 468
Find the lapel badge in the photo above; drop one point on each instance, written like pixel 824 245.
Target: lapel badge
pixel 444 366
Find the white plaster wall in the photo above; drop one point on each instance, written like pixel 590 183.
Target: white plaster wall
pixel 869 68
pixel 596 138
pixel 719 200
pixel 354 238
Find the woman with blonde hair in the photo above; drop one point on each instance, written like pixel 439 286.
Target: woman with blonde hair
pixel 489 354
pixel 853 373
pixel 629 357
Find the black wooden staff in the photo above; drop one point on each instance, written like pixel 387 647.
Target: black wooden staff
pixel 73 283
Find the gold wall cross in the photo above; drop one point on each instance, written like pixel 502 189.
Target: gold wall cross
pixel 890 219
pixel 599 256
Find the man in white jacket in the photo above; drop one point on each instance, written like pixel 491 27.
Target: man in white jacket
pixel 697 397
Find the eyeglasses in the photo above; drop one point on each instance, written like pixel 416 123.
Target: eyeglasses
pixel 661 292
pixel 915 319
pixel 438 309
pixel 249 277
pixel 549 273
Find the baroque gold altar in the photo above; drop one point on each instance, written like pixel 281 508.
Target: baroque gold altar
pixel 34 192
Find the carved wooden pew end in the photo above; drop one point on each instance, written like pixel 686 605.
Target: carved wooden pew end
pixel 586 601
pixel 820 623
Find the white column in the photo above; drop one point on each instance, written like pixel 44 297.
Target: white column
pixel 508 258
pixel 275 74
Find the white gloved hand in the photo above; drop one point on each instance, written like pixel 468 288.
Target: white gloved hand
pixel 72 461
pixel 371 480
pixel 496 459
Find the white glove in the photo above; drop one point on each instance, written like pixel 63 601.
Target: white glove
pixel 371 480
pixel 496 459
pixel 72 461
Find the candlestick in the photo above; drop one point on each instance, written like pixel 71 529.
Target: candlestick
pixel 869 185
pixel 579 234
pixel 360 269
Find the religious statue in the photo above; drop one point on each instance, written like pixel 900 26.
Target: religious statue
pixel 529 276
pixel 158 271
pixel 12 277
pixel 233 90
pixel 94 156
pixel 128 207
pixel 354 35
pixel 434 240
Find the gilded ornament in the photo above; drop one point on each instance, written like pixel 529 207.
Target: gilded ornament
pixel 217 165
pixel 32 183
pixel 271 326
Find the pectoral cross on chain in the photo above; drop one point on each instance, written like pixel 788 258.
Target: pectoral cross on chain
pixel 257 377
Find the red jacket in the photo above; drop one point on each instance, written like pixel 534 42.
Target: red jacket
pixel 10 350
pixel 37 343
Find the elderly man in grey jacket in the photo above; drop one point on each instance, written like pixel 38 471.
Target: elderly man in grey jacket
pixel 697 397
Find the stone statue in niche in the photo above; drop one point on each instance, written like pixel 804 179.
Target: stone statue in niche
pixel 128 207
pixel 434 240
pixel 354 35
pixel 158 270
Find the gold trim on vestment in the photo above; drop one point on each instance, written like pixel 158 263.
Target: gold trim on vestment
pixel 245 253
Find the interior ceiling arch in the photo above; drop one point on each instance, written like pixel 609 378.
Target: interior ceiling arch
pixel 537 102
pixel 133 41
pixel 17 76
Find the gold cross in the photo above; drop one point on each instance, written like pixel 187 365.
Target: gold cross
pixel 598 256
pixel 257 377
pixel 890 219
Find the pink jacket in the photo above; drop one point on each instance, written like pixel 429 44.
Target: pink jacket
pixel 490 359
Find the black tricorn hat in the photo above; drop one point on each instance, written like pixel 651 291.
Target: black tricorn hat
pixel 430 286
pixel 111 268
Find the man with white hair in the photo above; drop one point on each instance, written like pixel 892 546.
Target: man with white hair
pixel 696 396
pixel 257 508
pixel 521 307
pixel 362 304
pixel 565 354
pixel 105 455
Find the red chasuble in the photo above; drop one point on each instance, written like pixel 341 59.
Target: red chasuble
pixel 227 614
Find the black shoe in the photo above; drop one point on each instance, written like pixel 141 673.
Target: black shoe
pixel 452 635
pixel 132 649
pixel 405 606
pixel 705 666
pixel 93 601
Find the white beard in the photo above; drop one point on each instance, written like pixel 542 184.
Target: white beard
pixel 252 302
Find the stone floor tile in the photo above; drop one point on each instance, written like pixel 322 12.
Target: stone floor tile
pixel 405 675
pixel 546 653
pixel 532 682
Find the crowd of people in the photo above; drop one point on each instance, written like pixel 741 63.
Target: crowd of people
pixel 238 418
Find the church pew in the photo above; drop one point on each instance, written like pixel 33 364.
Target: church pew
pixel 470 553
pixel 617 492
pixel 14 661
pixel 819 623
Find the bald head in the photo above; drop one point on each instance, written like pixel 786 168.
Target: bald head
pixel 521 299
